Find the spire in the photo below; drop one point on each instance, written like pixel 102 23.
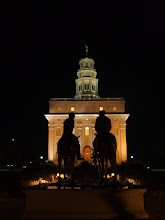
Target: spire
pixel 86 50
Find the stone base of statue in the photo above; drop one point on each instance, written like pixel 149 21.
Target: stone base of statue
pixel 85 204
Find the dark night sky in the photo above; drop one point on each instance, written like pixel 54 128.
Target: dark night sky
pixel 41 45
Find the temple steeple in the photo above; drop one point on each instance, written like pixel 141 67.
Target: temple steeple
pixel 86 84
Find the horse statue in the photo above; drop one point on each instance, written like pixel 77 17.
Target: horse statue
pixel 67 151
pixel 105 151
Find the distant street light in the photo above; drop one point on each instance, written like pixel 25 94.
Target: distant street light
pixel 132 157
pixel 12 153
pixel 41 157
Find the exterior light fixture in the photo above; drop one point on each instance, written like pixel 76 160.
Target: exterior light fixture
pixel 132 157
pixel 41 157
pixel 112 174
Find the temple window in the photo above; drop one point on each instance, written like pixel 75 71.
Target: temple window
pixel 58 132
pixel 114 108
pixel 87 131
pixel 87 86
pixel 72 109
pixel 101 108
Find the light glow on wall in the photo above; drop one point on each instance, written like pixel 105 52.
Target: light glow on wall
pixel 87 131
pixel 72 109
pixel 58 132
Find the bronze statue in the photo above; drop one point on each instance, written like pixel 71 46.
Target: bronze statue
pixel 104 144
pixel 68 145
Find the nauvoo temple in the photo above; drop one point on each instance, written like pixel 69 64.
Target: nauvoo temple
pixel 86 105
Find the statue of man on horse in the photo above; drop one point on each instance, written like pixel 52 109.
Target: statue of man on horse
pixel 68 145
pixel 68 148
pixel 104 143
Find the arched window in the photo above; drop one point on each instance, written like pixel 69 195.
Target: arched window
pixel 85 86
pixel 58 108
pixel 87 131
pixel 114 108
pixel 58 132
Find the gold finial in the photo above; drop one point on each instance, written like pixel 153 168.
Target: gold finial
pixel 86 49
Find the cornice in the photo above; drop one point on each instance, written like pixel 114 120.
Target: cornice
pixel 53 115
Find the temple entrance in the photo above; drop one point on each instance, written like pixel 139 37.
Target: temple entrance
pixel 87 153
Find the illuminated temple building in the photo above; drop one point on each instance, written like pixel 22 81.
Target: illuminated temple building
pixel 86 105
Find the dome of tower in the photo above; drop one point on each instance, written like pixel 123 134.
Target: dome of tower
pixel 86 63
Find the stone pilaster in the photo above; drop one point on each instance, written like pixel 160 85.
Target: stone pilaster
pixel 51 137
pixel 79 133
pixel 123 143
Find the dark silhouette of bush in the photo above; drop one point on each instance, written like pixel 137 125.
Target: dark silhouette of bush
pixel 34 171
pixel 135 170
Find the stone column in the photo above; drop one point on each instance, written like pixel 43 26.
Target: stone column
pixel 79 133
pixel 123 143
pixel 51 135
pixel 93 133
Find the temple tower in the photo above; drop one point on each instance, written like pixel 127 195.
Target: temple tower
pixel 87 83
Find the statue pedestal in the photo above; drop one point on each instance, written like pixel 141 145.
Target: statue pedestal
pixel 84 204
